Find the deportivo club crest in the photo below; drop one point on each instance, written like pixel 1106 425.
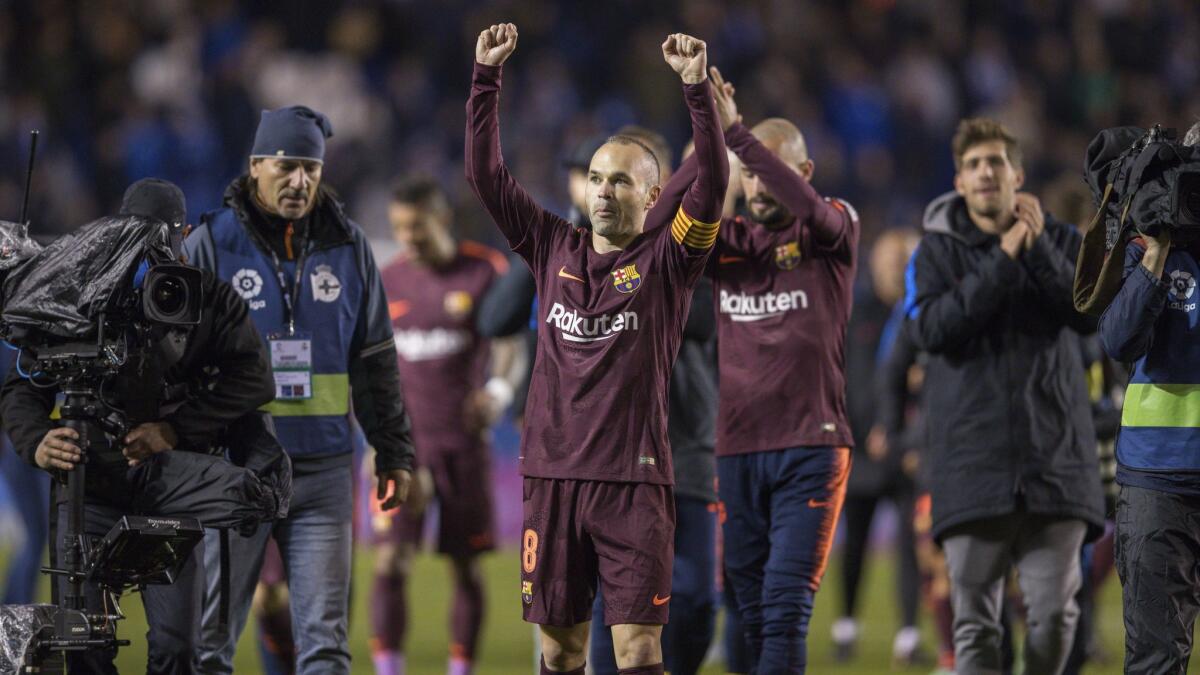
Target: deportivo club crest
pixel 627 279
pixel 787 256
pixel 1183 285
pixel 247 283
pixel 325 286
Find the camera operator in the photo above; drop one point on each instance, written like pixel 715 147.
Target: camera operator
pixel 122 473
pixel 1153 323
pixel 308 275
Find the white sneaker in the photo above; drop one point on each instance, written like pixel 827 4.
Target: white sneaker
pixel 845 635
pixel 906 645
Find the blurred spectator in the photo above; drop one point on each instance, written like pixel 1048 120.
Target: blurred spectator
pixel 132 88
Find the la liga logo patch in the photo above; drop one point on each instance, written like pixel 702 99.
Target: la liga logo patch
pixel 626 279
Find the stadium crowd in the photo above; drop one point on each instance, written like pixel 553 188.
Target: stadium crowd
pixel 171 89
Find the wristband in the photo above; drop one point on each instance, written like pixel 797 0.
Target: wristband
pixel 500 391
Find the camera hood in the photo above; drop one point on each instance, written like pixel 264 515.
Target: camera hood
pixel 60 293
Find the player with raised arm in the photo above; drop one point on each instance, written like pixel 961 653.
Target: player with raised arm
pixel 613 302
pixel 783 280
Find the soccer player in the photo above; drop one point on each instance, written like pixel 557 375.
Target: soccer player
pixel 783 281
pixel 433 288
pixel 612 305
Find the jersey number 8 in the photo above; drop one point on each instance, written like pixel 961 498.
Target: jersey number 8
pixel 529 551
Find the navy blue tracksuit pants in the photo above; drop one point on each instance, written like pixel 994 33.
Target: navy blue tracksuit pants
pixel 781 510
pixel 686 637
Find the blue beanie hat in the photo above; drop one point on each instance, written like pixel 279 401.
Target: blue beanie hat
pixel 295 132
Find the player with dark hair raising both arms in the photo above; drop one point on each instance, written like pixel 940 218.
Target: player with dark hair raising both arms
pixel 613 302
pixel 783 281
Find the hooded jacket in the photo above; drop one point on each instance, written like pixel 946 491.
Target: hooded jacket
pixel 1009 422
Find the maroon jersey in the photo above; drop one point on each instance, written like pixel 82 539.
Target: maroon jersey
pixel 609 325
pixel 783 300
pixel 441 356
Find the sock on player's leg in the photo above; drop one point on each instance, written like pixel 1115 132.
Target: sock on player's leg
pixel 389 612
pixel 388 662
pixel 466 619
pixel 578 671
pixel 655 669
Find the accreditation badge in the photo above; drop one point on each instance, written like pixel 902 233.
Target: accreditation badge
pixel 291 365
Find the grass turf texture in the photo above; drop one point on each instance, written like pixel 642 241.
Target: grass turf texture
pixel 507 645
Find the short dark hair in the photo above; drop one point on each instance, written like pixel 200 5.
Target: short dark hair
pixel 420 191
pixel 625 139
pixel 975 130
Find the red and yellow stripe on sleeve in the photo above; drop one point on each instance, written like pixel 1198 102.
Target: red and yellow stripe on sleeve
pixel 693 233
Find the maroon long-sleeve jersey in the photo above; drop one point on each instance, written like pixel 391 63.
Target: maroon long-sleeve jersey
pixel 783 298
pixel 609 324
pixel 442 358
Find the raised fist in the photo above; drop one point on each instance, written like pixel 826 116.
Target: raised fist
pixel 687 55
pixel 496 44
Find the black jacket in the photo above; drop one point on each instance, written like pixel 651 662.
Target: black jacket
pixel 505 311
pixel 863 359
pixel 221 378
pixel 1009 422
pixel 692 400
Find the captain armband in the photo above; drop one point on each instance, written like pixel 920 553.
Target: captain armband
pixel 693 233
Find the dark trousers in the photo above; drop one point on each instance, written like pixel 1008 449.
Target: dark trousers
pixel 736 658
pixel 781 512
pixel 858 514
pixel 172 611
pixel 1158 560
pixel 687 635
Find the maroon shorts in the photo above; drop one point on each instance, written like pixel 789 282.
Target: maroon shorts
pixel 576 532
pixel 462 485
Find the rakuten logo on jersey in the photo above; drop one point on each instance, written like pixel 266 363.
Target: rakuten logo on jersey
pixel 424 345
pixel 577 328
pixel 741 307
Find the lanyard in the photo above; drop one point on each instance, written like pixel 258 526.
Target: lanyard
pixel 292 292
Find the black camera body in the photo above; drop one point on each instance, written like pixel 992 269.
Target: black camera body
pixel 1145 182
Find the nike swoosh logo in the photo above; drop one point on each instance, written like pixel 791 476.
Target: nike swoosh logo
pixel 817 504
pixel 727 259
pixel 562 272
pixel 658 602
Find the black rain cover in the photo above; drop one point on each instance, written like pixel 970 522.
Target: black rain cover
pixel 62 290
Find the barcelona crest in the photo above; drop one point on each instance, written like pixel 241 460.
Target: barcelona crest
pixel 627 279
pixel 787 256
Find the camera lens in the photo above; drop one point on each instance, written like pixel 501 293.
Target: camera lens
pixel 1187 200
pixel 169 296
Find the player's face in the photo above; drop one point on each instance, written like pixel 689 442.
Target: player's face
pixel 417 228
pixel 889 256
pixel 988 180
pixel 763 206
pixel 286 187
pixel 577 180
pixel 619 190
